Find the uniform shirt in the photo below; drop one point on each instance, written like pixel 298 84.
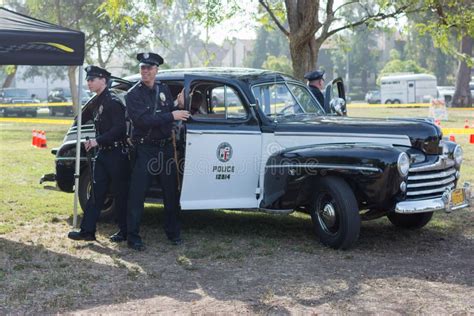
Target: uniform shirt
pixel 108 114
pixel 140 101
pixel 318 94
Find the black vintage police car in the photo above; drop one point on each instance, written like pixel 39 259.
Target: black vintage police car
pixel 259 141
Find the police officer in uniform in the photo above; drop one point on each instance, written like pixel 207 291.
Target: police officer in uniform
pixel 316 84
pixel 111 166
pixel 151 108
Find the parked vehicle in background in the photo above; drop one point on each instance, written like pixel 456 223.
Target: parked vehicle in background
pixel 17 96
pixel 408 88
pixel 373 96
pixel 61 95
pixel 446 93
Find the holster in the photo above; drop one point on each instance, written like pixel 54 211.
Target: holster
pixel 132 152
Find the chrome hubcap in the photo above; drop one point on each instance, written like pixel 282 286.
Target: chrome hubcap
pixel 327 215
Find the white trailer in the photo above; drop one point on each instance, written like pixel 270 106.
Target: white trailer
pixel 408 88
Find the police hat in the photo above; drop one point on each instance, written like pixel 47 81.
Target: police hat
pixel 150 59
pixel 96 72
pixel 314 75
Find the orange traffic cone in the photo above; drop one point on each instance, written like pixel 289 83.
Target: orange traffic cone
pixel 42 142
pixel 466 124
pixel 33 138
pixel 452 138
pixel 471 139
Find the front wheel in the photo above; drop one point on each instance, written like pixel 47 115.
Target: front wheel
pixel 410 221
pixel 335 213
pixel 85 188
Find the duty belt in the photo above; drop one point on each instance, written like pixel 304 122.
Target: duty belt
pixel 151 141
pixel 112 146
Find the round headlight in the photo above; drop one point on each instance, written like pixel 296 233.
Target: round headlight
pixel 457 155
pixel 403 164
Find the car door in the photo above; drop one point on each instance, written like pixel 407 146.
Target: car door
pixel 222 147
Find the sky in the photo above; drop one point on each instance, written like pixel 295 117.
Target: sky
pixel 243 25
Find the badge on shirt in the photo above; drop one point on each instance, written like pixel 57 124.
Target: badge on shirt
pixel 162 97
pixel 101 109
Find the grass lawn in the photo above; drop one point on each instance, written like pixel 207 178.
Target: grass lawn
pixel 231 261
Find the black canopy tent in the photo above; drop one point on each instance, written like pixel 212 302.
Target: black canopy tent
pixel 28 41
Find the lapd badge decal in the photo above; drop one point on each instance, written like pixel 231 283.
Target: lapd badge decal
pixel 224 152
pixel 162 97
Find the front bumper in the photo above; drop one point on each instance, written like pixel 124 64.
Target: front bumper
pixel 442 203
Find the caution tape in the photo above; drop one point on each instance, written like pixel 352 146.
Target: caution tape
pixel 457 131
pixel 446 130
pixel 405 105
pixel 16 105
pixel 34 120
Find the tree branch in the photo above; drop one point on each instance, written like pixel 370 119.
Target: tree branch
pixel 376 17
pixel 343 5
pixel 274 18
pixel 329 18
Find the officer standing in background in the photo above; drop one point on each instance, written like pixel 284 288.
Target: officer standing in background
pixel 151 108
pixel 111 166
pixel 316 84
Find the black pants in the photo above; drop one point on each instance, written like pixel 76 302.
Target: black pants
pixel 111 171
pixel 153 161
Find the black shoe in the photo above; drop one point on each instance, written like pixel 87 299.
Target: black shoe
pixel 136 245
pixel 82 235
pixel 176 241
pixel 118 237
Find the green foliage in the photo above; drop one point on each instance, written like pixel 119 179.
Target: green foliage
pixel 281 64
pixel 269 42
pixel 450 17
pixel 210 13
pixel 421 48
pixel 401 66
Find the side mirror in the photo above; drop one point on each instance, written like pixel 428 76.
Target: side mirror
pixel 338 106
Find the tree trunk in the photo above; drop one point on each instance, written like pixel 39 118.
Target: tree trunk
pixel 303 24
pixel 304 55
pixel 71 72
pixel 462 95
pixel 9 79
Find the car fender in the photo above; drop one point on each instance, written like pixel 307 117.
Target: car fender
pixel 370 169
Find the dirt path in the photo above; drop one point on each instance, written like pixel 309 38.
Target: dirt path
pixel 280 271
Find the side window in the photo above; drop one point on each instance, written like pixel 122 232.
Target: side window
pixel 223 103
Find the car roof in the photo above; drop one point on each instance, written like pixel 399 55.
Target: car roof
pixel 244 74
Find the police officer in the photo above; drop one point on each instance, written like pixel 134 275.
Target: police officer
pixel 316 84
pixel 151 109
pixel 111 166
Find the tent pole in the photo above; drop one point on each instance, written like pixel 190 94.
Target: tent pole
pixel 78 148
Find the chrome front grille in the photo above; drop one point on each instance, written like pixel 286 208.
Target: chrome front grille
pixel 429 181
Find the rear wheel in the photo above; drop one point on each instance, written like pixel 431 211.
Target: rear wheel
pixel 388 102
pixel 396 101
pixel 410 221
pixel 85 187
pixel 335 213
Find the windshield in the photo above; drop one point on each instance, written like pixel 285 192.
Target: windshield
pixel 285 99
pixel 15 93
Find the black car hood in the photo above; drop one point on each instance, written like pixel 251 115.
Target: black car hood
pixel 422 134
